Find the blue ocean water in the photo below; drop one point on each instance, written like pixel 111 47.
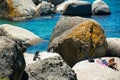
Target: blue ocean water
pixel 43 27
pixel 111 23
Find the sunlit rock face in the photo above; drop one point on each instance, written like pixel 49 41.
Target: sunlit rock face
pixel 10 9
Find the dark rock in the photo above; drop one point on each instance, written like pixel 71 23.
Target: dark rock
pixel 75 8
pixel 12 63
pixel 53 68
pixel 99 7
pixel 25 76
pixel 56 2
pixel 80 42
pixel 37 1
pixel 45 8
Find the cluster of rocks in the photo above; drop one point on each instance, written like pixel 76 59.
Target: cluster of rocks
pixel 13 65
pixel 74 43
pixel 24 9
pixel 27 9
pixel 77 39
pixel 13 43
pixel 83 8
pixel 74 39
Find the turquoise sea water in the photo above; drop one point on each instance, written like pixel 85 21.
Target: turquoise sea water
pixel 43 27
pixel 111 23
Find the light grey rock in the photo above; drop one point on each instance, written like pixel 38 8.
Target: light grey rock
pixel 45 8
pixel 19 34
pixel 75 8
pixel 11 9
pixel 12 63
pixel 96 71
pixel 99 7
pixel 53 68
pixel 113 47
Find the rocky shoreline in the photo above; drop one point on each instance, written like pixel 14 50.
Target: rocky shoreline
pixel 74 40
pixel 29 9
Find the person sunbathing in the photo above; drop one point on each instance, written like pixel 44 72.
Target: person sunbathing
pixel 112 64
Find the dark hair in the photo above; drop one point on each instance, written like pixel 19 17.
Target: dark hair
pixel 37 52
pixel 111 59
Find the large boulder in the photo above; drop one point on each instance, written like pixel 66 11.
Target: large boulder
pixel 66 23
pixel 12 63
pixel 75 8
pixel 19 34
pixel 45 8
pixel 113 47
pixel 97 71
pixel 52 68
pixel 56 2
pixel 83 41
pixel 14 9
pixel 99 7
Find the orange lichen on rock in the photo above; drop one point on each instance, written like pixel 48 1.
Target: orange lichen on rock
pixel 89 32
pixel 83 41
pixel 12 10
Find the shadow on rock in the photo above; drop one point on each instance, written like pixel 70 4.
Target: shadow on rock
pixel 25 76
